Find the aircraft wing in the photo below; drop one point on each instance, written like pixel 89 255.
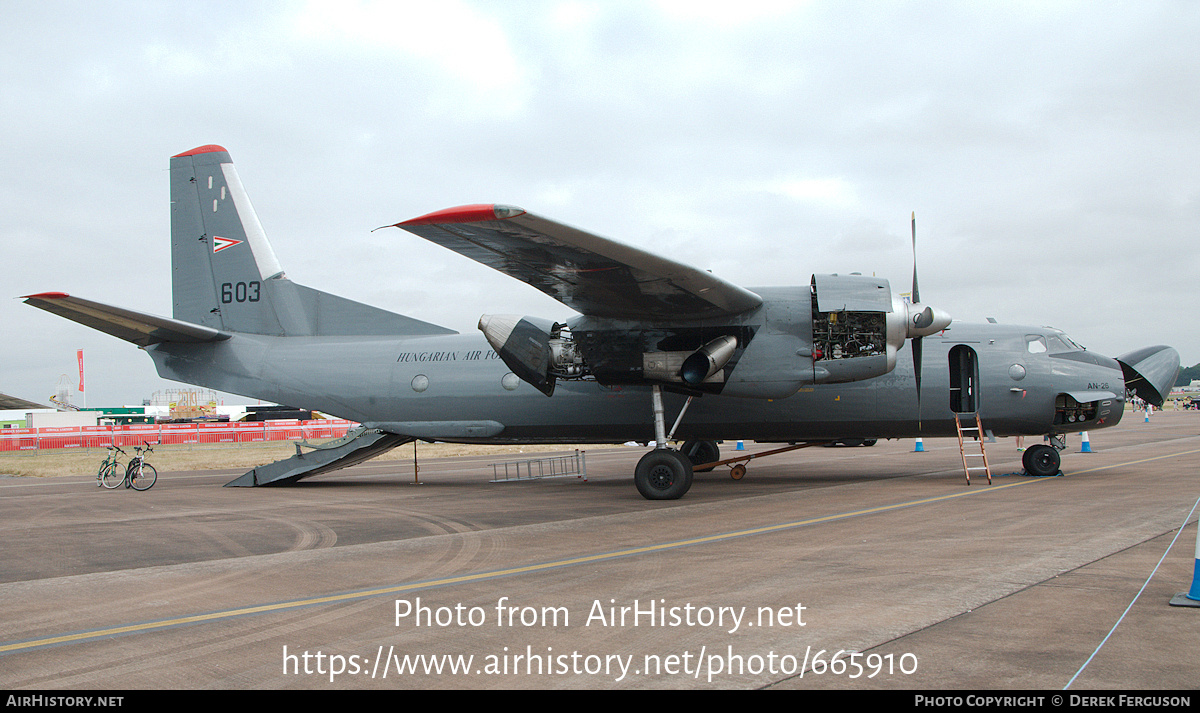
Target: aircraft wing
pixel 592 275
pixel 138 327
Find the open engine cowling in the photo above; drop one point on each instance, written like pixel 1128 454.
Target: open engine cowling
pixel 537 350
pixel 859 326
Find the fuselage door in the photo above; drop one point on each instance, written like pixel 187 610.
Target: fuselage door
pixel 964 379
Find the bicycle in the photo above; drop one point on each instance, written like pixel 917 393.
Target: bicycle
pixel 139 474
pixel 111 474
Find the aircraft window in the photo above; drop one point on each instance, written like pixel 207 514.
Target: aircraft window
pixel 420 382
pixel 510 381
pixel 1035 344
pixel 1071 342
pixel 1058 345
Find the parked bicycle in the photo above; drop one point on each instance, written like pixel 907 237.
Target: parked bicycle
pixel 139 474
pixel 111 473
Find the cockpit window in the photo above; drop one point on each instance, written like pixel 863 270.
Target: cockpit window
pixel 1035 344
pixel 1071 342
pixel 1057 345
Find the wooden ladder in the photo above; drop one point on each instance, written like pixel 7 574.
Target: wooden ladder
pixel 976 432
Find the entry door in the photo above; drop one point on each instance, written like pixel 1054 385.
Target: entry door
pixel 964 379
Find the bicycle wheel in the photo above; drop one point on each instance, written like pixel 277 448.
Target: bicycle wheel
pixel 145 479
pixel 112 475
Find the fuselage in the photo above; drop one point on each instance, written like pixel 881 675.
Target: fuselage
pixel 1021 381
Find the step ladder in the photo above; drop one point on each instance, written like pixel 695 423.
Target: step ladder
pixel 975 432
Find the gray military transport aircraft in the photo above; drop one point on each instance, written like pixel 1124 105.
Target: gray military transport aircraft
pixel 819 362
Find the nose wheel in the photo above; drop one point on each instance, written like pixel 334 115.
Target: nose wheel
pixel 1041 460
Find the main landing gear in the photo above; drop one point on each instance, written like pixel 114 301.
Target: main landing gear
pixel 663 473
pixel 666 474
pixel 704 453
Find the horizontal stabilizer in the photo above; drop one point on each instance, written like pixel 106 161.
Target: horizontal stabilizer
pixel 138 327
pixel 350 451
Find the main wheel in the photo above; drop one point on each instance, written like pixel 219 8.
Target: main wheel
pixel 1041 460
pixel 663 474
pixel 112 475
pixel 701 452
pixel 145 479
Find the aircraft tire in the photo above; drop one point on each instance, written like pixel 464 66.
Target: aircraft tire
pixel 701 452
pixel 1041 460
pixel 870 442
pixel 663 474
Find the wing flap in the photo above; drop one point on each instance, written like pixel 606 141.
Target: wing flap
pixel 138 327
pixel 593 275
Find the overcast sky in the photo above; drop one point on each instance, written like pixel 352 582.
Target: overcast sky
pixel 1051 151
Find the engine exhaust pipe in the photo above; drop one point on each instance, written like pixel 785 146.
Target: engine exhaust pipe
pixel 707 360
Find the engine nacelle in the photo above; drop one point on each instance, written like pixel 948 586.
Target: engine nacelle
pixel 850 335
pixel 539 351
pixel 859 326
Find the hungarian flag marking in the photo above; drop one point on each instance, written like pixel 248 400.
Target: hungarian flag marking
pixel 220 243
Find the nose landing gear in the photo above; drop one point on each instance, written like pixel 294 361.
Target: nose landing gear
pixel 1042 460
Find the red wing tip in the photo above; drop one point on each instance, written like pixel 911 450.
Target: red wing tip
pixel 477 213
pixel 46 296
pixel 207 148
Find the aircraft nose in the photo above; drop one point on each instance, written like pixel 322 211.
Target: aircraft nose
pixel 1150 372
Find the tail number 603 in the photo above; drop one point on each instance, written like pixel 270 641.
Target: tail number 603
pixel 239 292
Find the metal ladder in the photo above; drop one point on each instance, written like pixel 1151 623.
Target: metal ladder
pixel 976 432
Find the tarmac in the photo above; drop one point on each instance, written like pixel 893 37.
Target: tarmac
pixel 848 568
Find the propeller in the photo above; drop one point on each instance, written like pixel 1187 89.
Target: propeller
pixel 926 316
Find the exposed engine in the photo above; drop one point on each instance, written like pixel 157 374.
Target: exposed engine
pixel 848 335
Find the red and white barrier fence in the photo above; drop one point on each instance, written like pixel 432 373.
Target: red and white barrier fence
pixel 28 439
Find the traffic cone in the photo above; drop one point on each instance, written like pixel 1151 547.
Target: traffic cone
pixel 1087 445
pixel 741 446
pixel 1147 416
pixel 920 447
pixel 1191 598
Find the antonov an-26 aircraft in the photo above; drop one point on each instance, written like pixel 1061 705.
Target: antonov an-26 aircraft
pixel 656 341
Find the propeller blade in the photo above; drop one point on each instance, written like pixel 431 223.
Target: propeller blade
pixel 917 350
pixel 916 296
pixel 922 320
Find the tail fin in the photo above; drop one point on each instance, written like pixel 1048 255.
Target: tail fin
pixel 226 276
